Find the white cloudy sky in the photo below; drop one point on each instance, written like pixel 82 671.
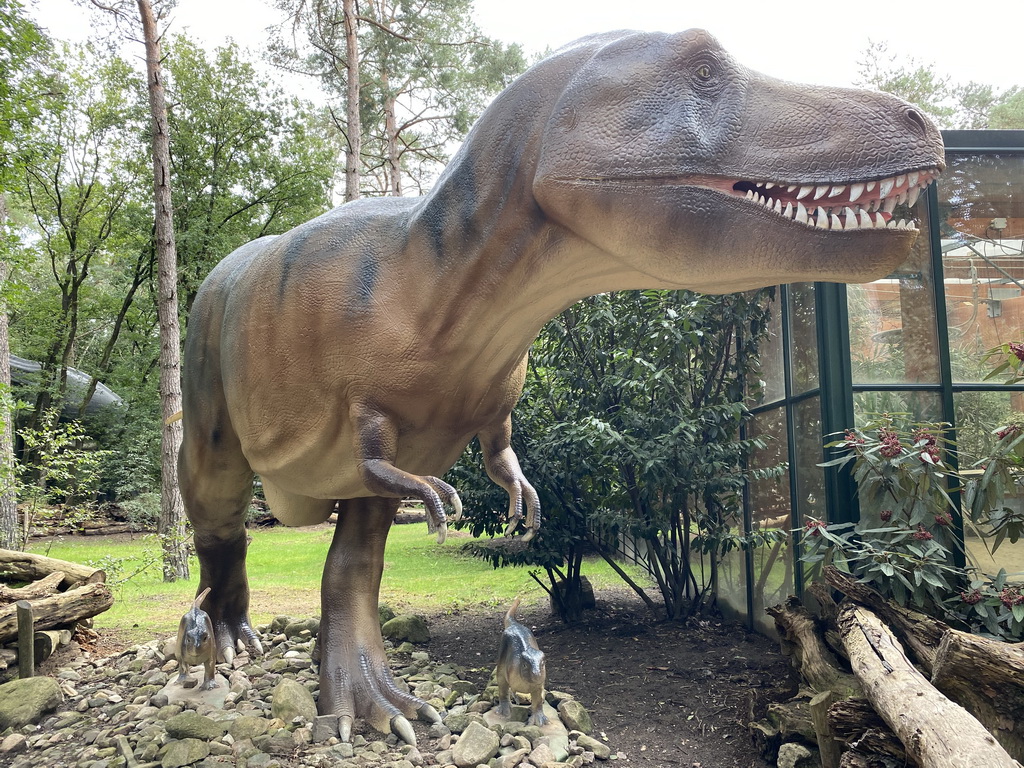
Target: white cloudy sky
pixel 817 42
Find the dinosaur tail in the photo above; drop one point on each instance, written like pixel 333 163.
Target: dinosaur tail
pixel 511 615
pixel 200 597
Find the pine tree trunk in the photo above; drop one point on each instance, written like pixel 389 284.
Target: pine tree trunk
pixel 172 511
pixel 10 537
pixel 354 125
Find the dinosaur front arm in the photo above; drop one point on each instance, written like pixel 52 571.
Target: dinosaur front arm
pixel 503 468
pixel 376 448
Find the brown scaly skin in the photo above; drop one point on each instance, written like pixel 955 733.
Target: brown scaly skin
pixel 354 357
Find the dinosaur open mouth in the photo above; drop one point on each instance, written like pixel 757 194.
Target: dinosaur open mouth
pixel 840 206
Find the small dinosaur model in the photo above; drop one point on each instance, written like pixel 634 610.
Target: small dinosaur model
pixel 196 644
pixel 521 668
pixel 400 327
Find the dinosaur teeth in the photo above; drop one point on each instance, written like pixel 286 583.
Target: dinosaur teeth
pixel 856 190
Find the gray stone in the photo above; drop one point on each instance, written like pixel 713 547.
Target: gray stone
pixel 601 750
pixel 184 752
pixel 191 725
pixel 296 628
pixel 478 744
pixel 248 727
pixel 24 702
pixel 407 626
pixel 575 716
pixel 793 755
pixel 324 727
pixel 459 723
pixel 385 613
pixel 292 699
pixel 16 742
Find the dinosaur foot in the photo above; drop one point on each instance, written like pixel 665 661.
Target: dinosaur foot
pixel 367 690
pixel 234 637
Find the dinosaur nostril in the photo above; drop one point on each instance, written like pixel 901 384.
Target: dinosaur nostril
pixel 918 120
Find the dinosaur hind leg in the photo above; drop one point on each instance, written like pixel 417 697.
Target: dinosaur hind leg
pixel 355 680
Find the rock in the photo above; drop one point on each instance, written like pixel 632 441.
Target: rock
pixel 185 752
pixel 297 627
pixel 385 613
pixel 191 725
pixel 324 727
pixel 792 755
pixel 601 750
pixel 575 716
pixel 248 727
pixel 542 754
pixel 407 626
pixel 478 744
pixel 24 702
pixel 16 742
pixel 459 723
pixel 292 699
pixel 511 760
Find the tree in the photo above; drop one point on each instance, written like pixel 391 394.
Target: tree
pixel 247 160
pixel 172 510
pixel 629 430
pixel 949 104
pixel 418 76
pixel 20 42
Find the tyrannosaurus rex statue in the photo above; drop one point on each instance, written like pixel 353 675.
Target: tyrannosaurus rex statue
pixel 399 327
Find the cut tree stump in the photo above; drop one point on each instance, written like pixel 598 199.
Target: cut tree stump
pixel 855 723
pixel 25 566
pixel 936 732
pixel 59 609
pixel 812 658
pixel 987 677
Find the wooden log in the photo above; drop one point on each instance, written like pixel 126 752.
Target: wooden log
pixel 47 641
pixel 59 609
pixel 987 677
pixel 828 747
pixel 812 659
pixel 792 719
pixel 855 723
pixel 935 731
pixel 25 566
pixel 45 586
pixel 26 648
pixel 919 633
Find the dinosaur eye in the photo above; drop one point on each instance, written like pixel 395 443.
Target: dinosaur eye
pixel 704 72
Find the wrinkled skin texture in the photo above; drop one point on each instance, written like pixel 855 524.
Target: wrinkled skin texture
pixel 399 327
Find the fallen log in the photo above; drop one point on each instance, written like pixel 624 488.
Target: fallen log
pixel 936 732
pixel 47 641
pixel 25 566
pixel 45 586
pixel 854 723
pixel 987 677
pixel 59 609
pixel 813 660
pixel 920 633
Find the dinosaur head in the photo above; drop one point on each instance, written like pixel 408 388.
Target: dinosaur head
pixel 700 173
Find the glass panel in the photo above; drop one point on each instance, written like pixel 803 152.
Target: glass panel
pixel 810 478
pixel 981 202
pixel 770 384
pixel 803 337
pixel 978 414
pixel 770 510
pixel 732 585
pixel 886 312
pixel 918 406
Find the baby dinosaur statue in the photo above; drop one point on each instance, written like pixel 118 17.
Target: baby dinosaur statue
pixel 350 360
pixel 521 668
pixel 195 645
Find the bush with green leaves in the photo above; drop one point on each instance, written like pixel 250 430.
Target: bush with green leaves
pixel 906 543
pixel 629 429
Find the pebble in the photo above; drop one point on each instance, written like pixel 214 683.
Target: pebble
pixel 117 716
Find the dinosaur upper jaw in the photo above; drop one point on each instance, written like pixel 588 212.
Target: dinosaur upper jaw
pixel 838 206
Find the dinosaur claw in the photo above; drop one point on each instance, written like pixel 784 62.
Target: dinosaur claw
pixel 345 728
pixel 402 728
pixel 442 532
pixel 529 534
pixel 428 714
pixel 456 503
pixel 257 646
pixel 228 653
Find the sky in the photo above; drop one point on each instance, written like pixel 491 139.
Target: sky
pixel 812 42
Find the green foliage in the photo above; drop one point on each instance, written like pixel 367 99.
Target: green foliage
pixel 905 542
pixel 60 485
pixel 628 428
pixel 949 104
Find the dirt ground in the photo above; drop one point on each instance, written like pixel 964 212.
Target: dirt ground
pixel 662 693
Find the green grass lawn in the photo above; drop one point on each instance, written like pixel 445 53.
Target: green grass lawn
pixel 284 567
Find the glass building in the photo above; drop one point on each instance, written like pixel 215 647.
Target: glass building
pixel 910 343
